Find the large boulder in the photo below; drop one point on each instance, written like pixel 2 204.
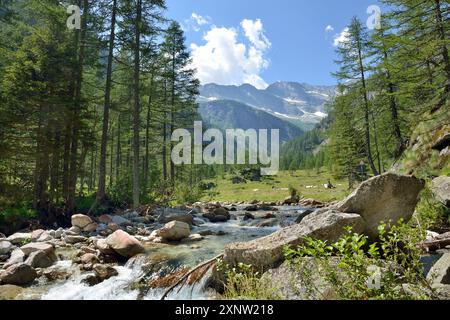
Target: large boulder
pixel 83 222
pixel 38 246
pixel 441 189
pixel 18 274
pixel 17 256
pixel 5 247
pixel 19 238
pixel 266 252
pixel 125 245
pixel 440 272
pixel 385 198
pixel 174 231
pixel 41 259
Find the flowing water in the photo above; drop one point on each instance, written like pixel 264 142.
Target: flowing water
pixel 159 260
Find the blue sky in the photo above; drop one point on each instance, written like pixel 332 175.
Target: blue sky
pixel 264 41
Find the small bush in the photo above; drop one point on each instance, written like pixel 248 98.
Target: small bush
pixel 16 218
pixel 348 265
pixel 431 214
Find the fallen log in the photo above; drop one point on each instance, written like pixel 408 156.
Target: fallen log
pixel 440 242
pixel 206 265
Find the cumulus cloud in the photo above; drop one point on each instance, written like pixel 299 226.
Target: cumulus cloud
pixel 255 33
pixel 329 28
pixel 196 22
pixel 342 38
pixel 223 59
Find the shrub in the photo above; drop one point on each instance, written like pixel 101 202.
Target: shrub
pixel 15 218
pixel 349 265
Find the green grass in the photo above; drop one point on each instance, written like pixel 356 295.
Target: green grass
pixel 276 188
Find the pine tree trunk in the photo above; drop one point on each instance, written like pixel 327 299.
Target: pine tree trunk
pixel 366 114
pixel 101 193
pixel 73 174
pixel 137 107
pixel 147 136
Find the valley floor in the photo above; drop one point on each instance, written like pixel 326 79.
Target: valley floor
pixel 309 184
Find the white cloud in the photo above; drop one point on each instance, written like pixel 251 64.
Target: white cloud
pixel 255 33
pixel 195 22
pixel 329 28
pixel 342 38
pixel 224 60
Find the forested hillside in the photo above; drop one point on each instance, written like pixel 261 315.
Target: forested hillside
pixel 393 102
pixel 90 110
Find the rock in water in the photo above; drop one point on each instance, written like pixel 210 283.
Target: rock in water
pixel 19 238
pixel 125 245
pixel 18 274
pixel 385 198
pixel 41 259
pixel 5 247
pixel 9 292
pixel 174 231
pixel 219 214
pixel 39 246
pixel 440 273
pixel 264 253
pixel 441 188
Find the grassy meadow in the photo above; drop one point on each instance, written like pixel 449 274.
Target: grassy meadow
pixel 310 184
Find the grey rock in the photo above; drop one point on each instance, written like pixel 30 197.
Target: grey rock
pixel 385 198
pixel 266 252
pixel 440 272
pixel 6 247
pixel 441 189
pixel 18 274
pixel 19 238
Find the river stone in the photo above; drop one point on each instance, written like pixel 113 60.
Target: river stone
pixel 69 239
pixel 19 238
pixel 441 188
pixel 181 217
pixel 104 272
pixel 92 227
pixel 125 245
pixel 18 274
pixel 5 247
pixel 45 237
pixel 103 246
pixel 266 252
pixel 9 292
pixel 440 272
pixel 89 258
pixel 120 220
pixel 17 256
pixel 38 246
pixel 218 215
pixel 41 259
pixel 174 231
pixel 81 221
pixel 385 198
pixel 36 234
pixel 105 218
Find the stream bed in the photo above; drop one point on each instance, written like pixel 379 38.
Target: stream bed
pixel 159 260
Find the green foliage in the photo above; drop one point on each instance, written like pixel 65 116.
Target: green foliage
pixel 186 194
pixel 244 283
pixel 13 218
pixel 348 265
pixel 431 213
